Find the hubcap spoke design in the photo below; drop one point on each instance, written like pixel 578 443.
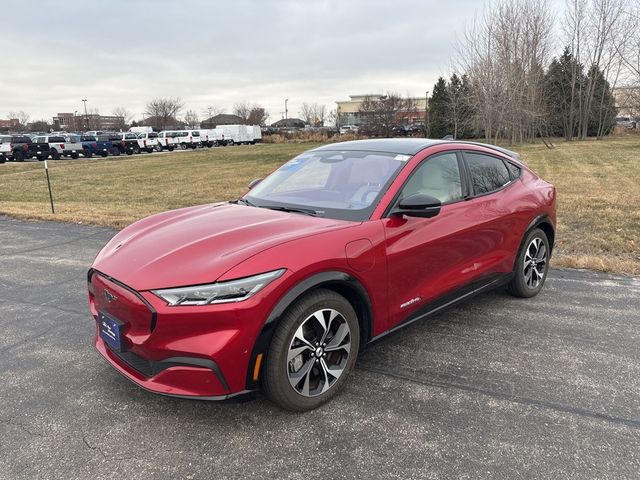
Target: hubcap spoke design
pixel 318 352
pixel 535 263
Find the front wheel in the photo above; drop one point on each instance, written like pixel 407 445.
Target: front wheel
pixel 313 351
pixel 55 155
pixel 532 265
pixel 158 148
pixel 136 150
pixel 75 155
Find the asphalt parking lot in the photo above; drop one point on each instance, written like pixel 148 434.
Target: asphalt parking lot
pixel 495 388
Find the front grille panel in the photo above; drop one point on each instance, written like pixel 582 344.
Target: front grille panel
pixel 141 365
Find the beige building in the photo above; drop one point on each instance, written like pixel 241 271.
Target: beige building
pixel 92 121
pixel 348 110
pixel 627 101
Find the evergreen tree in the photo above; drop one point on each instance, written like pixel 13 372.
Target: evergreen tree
pixel 564 83
pixel 439 110
pixel 602 118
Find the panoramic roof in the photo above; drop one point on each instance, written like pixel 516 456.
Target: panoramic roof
pixel 407 146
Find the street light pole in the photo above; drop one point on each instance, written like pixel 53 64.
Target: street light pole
pixel 427 127
pixel 75 128
pixel 285 109
pixel 86 117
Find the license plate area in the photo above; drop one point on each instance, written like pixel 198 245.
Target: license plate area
pixel 111 331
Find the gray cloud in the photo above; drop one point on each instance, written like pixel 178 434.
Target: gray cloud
pixel 123 53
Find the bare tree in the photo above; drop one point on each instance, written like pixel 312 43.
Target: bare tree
pixel 381 113
pixel 163 111
pixel 257 116
pixel 124 115
pixel 191 119
pixel 242 110
pixel 250 113
pixel 313 114
pixel 503 53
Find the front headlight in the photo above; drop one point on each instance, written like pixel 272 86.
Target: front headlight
pixel 222 292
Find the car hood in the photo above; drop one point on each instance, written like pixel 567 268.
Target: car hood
pixel 197 245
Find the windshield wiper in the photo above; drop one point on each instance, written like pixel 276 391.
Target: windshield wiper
pixel 244 201
pixel 305 211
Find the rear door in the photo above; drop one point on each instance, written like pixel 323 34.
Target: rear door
pixel 494 203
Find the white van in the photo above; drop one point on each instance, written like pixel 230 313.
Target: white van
pixel 212 137
pixel 183 138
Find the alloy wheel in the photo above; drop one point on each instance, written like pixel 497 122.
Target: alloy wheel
pixel 535 263
pixel 318 352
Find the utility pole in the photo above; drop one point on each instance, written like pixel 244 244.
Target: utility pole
pixel 86 117
pixel 427 127
pixel 285 109
pixel 75 128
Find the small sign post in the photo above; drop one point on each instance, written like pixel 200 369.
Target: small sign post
pixel 46 169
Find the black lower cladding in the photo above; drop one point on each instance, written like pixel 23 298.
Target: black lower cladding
pixel 150 368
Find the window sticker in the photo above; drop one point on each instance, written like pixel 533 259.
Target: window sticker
pixel 402 158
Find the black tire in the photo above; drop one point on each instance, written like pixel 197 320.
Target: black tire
pixel 129 151
pixel 115 151
pixel 183 146
pixel 75 155
pixel 3 158
pixel 275 380
pixel 41 157
pixel 104 154
pixel 87 153
pixel 55 155
pixel 136 150
pixel 530 270
pixel 230 142
pixel 158 148
pixel 18 156
pixel 150 150
pixel 171 149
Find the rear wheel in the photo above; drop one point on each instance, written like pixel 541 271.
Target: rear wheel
pixel 55 155
pixel 136 149
pixel 40 157
pixel 3 158
pixel 104 154
pixel 115 151
pixel 158 148
pixel 18 156
pixel 313 350
pixel 532 265
pixel 183 146
pixel 171 149
pixel 87 153
pixel 75 155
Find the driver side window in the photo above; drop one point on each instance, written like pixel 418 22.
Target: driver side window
pixel 439 177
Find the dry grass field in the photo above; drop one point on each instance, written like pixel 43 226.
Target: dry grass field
pixel 598 186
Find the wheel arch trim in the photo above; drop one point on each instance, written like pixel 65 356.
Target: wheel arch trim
pixel 338 281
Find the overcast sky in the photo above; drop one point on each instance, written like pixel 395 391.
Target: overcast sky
pixel 126 52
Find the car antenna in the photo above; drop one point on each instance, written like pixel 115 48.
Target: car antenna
pixel 448 137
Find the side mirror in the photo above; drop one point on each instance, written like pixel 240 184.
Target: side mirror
pixel 254 182
pixel 418 205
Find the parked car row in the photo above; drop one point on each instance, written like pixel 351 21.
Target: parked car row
pixel 142 139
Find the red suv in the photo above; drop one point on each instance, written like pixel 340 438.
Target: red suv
pixel 343 244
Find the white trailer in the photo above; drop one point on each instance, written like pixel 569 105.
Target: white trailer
pixel 256 133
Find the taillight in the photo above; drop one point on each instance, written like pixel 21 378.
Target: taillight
pixel 94 145
pixel 122 143
pixel 62 146
pixel 25 147
pixel 145 142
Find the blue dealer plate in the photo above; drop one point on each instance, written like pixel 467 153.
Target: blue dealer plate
pixel 110 330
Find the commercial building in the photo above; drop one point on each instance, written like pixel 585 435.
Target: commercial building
pixel 348 111
pixel 92 121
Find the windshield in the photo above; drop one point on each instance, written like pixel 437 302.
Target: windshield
pixel 343 185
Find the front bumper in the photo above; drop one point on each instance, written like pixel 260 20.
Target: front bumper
pixel 200 352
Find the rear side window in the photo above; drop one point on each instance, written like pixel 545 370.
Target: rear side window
pixel 513 170
pixel 56 139
pixel 152 135
pixel 488 173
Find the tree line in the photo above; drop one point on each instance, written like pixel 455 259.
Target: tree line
pixel 507 86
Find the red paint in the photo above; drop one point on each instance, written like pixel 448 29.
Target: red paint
pixel 396 260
